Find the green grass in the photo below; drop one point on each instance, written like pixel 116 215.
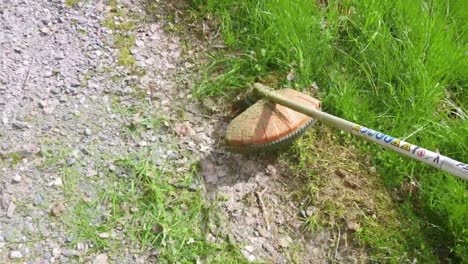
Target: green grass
pixel 396 66
pixel 72 3
pixel 158 211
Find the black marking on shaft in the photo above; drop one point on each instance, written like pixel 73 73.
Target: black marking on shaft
pixel 416 148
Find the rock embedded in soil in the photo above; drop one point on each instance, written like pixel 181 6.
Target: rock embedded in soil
pixel 56 183
pixel 38 199
pixel 11 209
pixel 17 178
pixel 101 259
pixel 14 254
pixel 104 235
pixel 57 209
pixel 69 253
pixel 20 125
pixel 70 161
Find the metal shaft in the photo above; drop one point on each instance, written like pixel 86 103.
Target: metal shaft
pixel 434 159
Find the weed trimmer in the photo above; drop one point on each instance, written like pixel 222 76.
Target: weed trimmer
pixel 282 115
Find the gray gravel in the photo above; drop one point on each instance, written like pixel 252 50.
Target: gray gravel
pixel 54 100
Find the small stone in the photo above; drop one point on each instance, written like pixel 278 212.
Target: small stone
pixel 38 200
pixel 70 161
pixel 208 171
pixel 210 238
pixel 271 170
pixel 263 232
pixel 373 170
pixel 14 254
pixel 285 241
pixel 9 235
pixel 69 253
pixel 48 74
pixel 87 132
pixel 74 83
pixel 310 211
pixel 5 146
pixel 140 64
pixel 70 238
pixel 17 178
pixel 249 248
pixel 184 129
pixel 104 235
pixel 80 246
pixel 45 30
pixel 28 149
pixel 45 233
pixel 42 104
pixel 56 252
pixel 172 154
pixel 20 125
pixel 139 43
pixel 49 110
pixel 11 209
pixel 269 248
pixel 85 151
pixel 101 259
pixel 210 104
pixel 55 90
pixel 91 173
pixel 353 226
pixel 66 117
pixel 57 209
pixel 249 257
pixel 112 168
pixel 56 183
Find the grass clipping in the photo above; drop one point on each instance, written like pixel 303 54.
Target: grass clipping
pixel 348 195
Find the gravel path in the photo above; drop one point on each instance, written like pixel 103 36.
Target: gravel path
pixel 64 109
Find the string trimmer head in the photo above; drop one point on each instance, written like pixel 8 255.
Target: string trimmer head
pixel 287 113
pixel 267 125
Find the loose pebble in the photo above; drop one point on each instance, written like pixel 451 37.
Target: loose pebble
pixel 17 178
pixel 14 254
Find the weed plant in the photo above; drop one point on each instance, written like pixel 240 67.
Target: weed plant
pixel 393 65
pixel 158 211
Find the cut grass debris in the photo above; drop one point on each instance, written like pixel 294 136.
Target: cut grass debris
pixel 345 194
pixel 122 39
pixel 396 66
pixel 158 211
